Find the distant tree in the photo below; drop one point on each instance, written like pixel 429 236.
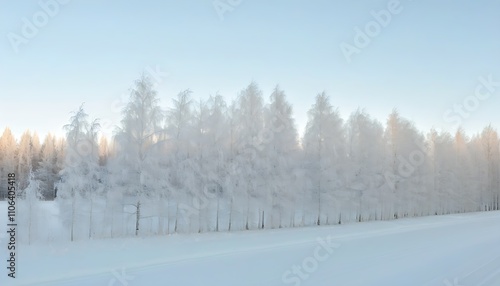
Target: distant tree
pixel 36 149
pixel 48 171
pixel 26 153
pixel 8 159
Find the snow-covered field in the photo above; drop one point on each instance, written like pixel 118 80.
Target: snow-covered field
pixel 440 250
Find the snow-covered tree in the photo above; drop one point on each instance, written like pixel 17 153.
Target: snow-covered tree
pixel 36 149
pixel 367 164
pixel 463 172
pixel 217 151
pixel 80 175
pixel 324 149
pixel 280 143
pixel 490 147
pixel 48 171
pixel 138 143
pixel 179 131
pixel 249 158
pixel 442 192
pixel 407 154
pixel 26 154
pixel 33 195
pixel 201 168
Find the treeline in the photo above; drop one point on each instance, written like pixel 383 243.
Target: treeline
pixel 28 157
pixel 209 165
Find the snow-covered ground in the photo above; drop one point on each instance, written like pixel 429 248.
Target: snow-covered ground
pixel 440 250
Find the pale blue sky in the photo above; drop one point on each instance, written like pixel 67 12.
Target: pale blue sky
pixel 427 59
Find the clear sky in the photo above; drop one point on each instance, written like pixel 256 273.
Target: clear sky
pixel 424 60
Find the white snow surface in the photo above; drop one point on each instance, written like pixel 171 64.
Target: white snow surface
pixel 449 250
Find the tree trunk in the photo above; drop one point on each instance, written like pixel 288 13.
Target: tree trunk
pixel 217 217
pixel 230 213
pixel 137 217
pixel 29 223
pixel 168 216
pixel 160 215
pixel 72 214
pixel 90 219
pixel 176 217
pixel 263 217
pixel 112 219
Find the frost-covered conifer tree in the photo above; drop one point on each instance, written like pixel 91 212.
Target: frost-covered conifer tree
pixel 47 173
pixel 36 149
